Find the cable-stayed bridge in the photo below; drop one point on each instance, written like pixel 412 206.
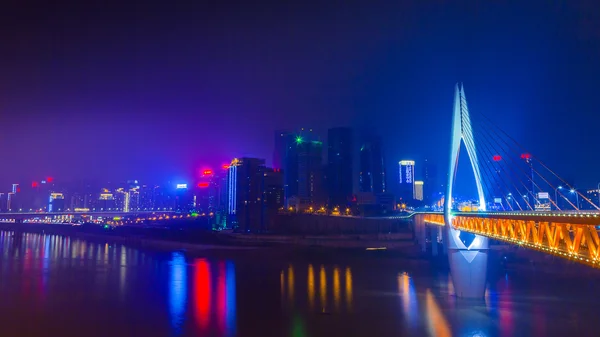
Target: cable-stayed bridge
pixel 520 200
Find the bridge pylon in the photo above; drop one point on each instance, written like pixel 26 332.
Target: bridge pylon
pixel 467 253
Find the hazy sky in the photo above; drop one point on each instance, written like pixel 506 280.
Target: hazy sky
pixel 152 91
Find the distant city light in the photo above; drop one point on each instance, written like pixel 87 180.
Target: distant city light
pixel 49 179
pixel 497 158
pixel 207 172
pixel 525 156
pixel 34 184
pixel 181 186
pixel 299 139
pixel 225 166
pixel 203 184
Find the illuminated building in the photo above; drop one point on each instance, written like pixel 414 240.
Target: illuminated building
pixel 339 165
pixel 15 188
pixel 106 201
pixel 10 201
pixel 122 200
pixel 3 201
pixel 272 196
pixel 56 202
pixel 407 179
pixel 418 191
pixel 245 193
pixel 146 197
pixel 372 169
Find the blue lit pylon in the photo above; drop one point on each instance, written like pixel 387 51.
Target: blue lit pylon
pixel 467 253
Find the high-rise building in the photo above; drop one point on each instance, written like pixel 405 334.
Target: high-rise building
pixel 106 201
pixel 122 200
pixel 339 162
pixel 245 193
pixel 56 202
pixel 372 169
pixel 418 192
pixel 286 156
pixel 406 177
pixel 430 180
pixel 3 206
pixel 310 177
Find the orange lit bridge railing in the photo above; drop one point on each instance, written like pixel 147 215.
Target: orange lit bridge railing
pixel 572 236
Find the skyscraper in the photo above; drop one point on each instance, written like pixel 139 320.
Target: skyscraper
pixel 418 193
pixel 339 165
pixel 245 193
pixel 430 181
pixel 310 158
pixel 289 148
pixel 372 169
pixel 406 169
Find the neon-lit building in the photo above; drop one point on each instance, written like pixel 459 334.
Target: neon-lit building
pixel 56 202
pixel 406 177
pixel 418 190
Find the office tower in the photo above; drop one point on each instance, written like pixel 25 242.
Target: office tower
pixel 418 192
pixel 310 177
pixel 372 168
pixel 3 200
pixel 431 186
pixel 122 200
pixel 272 197
pixel 146 197
pixel 407 179
pixel 56 202
pixel 106 201
pixel 245 193
pixel 11 201
pixel 339 159
pixel 286 157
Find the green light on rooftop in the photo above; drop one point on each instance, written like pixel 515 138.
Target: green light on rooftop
pixel 299 139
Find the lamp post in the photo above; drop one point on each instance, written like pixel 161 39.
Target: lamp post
pixel 509 197
pixel 598 194
pixel 556 195
pixel 576 198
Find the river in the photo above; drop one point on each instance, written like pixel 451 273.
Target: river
pixel 53 285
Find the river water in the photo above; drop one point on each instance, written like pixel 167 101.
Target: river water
pixel 58 286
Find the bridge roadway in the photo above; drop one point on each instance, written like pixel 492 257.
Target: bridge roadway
pixel 571 235
pixel 28 215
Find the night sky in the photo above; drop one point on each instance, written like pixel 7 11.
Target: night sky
pixel 155 91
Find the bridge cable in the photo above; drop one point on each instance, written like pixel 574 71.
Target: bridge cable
pixel 538 174
pixel 542 164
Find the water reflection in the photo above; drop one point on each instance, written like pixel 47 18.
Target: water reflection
pixel 334 292
pixel 202 293
pixel 437 325
pixel 50 278
pixel 177 290
pixel 409 299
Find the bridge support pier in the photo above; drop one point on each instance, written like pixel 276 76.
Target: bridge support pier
pixel 434 241
pixel 468 256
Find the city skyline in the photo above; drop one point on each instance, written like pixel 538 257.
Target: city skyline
pixel 109 108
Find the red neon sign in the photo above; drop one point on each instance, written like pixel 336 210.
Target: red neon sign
pixel 207 172
pixel 225 166
pixel 203 185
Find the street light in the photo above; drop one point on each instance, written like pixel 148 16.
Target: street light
pixel 556 195
pixel 576 198
pixel 598 194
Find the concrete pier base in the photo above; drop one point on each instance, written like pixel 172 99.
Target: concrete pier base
pixel 468 278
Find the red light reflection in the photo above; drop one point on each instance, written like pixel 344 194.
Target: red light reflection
pixel 202 292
